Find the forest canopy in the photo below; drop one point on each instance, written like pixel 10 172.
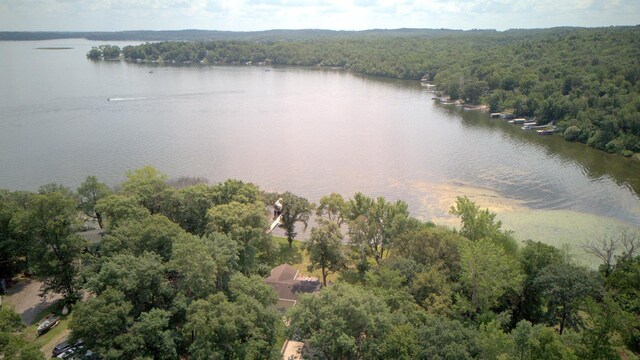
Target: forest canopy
pixel 585 80
pixel 180 273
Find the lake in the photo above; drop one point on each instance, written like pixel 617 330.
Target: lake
pixel 309 131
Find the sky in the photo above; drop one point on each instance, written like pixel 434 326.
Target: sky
pixel 254 15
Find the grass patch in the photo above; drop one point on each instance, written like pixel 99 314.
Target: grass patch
pixel 30 332
pixel 298 258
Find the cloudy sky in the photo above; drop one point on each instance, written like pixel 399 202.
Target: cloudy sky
pixel 248 15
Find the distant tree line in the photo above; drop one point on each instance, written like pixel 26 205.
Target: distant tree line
pixel 180 273
pixel 584 80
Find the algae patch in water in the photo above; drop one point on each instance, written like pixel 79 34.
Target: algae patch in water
pixel 560 228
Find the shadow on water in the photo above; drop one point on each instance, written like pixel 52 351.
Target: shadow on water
pixel 596 164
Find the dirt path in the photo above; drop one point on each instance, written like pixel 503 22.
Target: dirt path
pixel 47 349
pixel 25 298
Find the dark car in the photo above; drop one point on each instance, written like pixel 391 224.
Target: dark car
pixel 60 348
pixel 64 346
pixel 74 352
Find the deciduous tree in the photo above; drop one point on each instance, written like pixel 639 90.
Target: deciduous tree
pixel 90 191
pixel 325 249
pixel 55 249
pixel 487 273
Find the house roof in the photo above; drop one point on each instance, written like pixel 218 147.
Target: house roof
pixel 284 272
pixel 284 280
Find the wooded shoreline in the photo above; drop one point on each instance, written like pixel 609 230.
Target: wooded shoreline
pixel 583 80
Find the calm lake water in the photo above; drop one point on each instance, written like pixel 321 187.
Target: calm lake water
pixel 310 131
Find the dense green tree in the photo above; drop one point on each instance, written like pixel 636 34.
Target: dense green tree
pixel 253 287
pixel 16 347
pixel 90 191
pixel 225 254
pixel 9 321
pixel 154 233
pixel 195 266
pixel 220 329
pixel 325 249
pixel 51 223
pixel 401 343
pixel 149 187
pixel 295 209
pixel 488 273
pixel 235 191
pixel 377 223
pixel 481 224
pixel 494 342
pixel 14 243
pixel 333 207
pixel 565 288
pixel 603 322
pixel 120 208
pixel 432 290
pixel 432 246
pixel 624 286
pixel 94 53
pixel 534 257
pixel 342 322
pixel 522 337
pixel 153 337
pixel 102 323
pixel 444 339
pixel 245 224
pixel 195 201
pixel 141 279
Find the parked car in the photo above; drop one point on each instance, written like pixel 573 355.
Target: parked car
pixel 72 353
pixel 60 348
pixel 47 323
pixel 64 346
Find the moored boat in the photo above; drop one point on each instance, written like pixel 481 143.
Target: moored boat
pixel 546 131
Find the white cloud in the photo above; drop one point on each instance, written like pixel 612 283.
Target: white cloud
pixel 331 14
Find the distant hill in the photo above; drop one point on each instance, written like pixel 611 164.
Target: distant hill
pixel 199 35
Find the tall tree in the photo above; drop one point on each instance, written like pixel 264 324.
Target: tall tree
pixel 219 329
pixel 195 266
pixel 195 201
pixel 154 233
pixel 487 273
pixel 55 249
pixel 325 249
pixel 481 224
pixel 103 323
pixel 295 209
pixel 342 322
pixel 235 190
pixel 149 187
pixel 534 257
pixel 119 208
pixel 141 279
pixel 566 287
pixel 377 222
pixel 90 191
pixel 333 207
pixel 14 243
pixel 245 224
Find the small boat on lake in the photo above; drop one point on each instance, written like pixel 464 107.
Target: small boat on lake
pixel 533 127
pixel 546 131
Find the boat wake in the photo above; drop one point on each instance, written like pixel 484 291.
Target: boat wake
pixel 127 99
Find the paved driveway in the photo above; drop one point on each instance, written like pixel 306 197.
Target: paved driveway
pixel 25 298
